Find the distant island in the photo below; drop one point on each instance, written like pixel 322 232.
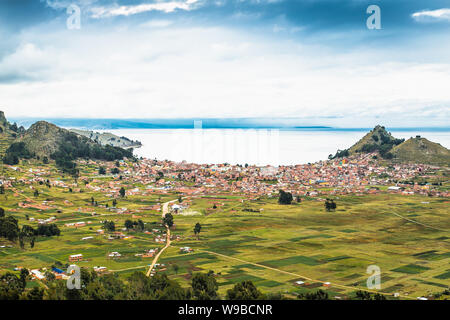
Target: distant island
pixel 107 138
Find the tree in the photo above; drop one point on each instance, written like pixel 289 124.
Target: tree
pixel 101 170
pixel 11 287
pixel 49 276
pixel 244 290
pixel 36 293
pixel 285 197
pixel 318 295
pixel 168 220
pixel 330 205
pixel 115 171
pixel 122 192
pixel 197 229
pixel 204 286
pixel 129 224
pixel 109 225
pixel 9 228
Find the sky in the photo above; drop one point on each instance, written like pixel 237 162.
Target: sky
pixel 313 60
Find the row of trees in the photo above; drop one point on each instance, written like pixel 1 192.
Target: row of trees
pixel 137 287
pixel 102 170
pixel 135 225
pixel 15 152
pixel 9 229
pixel 74 147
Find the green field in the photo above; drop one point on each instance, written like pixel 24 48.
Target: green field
pixel 274 247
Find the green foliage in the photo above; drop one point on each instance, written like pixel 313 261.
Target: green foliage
pixel 204 286
pixel 340 154
pixel 197 229
pixel 15 152
pixel 135 225
pixel 115 171
pixel 74 147
pixel 285 197
pixel 364 295
pixel 168 220
pixel 48 230
pixel 330 205
pixel 244 290
pixel 9 228
pixel 109 225
pixel 318 295
pixel 11 287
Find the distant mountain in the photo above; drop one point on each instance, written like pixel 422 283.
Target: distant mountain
pixel 107 138
pixel 421 150
pixel 44 140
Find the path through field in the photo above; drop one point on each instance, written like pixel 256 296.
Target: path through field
pixel 296 275
pixel 165 209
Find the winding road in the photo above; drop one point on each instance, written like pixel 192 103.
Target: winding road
pixel 165 209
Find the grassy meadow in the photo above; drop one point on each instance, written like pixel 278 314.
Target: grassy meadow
pixel 273 245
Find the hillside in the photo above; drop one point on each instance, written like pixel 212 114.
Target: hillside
pixel 44 140
pixel 107 138
pixel 8 133
pixel 377 139
pixel 415 150
pixel 421 150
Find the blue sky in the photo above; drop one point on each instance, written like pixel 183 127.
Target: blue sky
pixel 313 59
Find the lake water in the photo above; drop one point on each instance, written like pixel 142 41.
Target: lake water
pixel 254 146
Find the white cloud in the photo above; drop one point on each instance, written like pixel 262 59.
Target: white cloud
pixel 157 23
pixel 432 15
pixel 212 72
pixel 167 7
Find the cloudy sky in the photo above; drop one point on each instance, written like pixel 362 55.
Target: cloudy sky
pixel 315 60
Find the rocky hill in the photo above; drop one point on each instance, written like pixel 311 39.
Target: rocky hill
pixel 45 141
pixel 44 138
pixel 415 150
pixel 421 150
pixel 378 139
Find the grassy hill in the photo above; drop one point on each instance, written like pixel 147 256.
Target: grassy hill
pixel 415 150
pixel 377 139
pixel 421 150
pixel 44 140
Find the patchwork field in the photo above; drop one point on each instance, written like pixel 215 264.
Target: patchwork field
pixel 273 245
